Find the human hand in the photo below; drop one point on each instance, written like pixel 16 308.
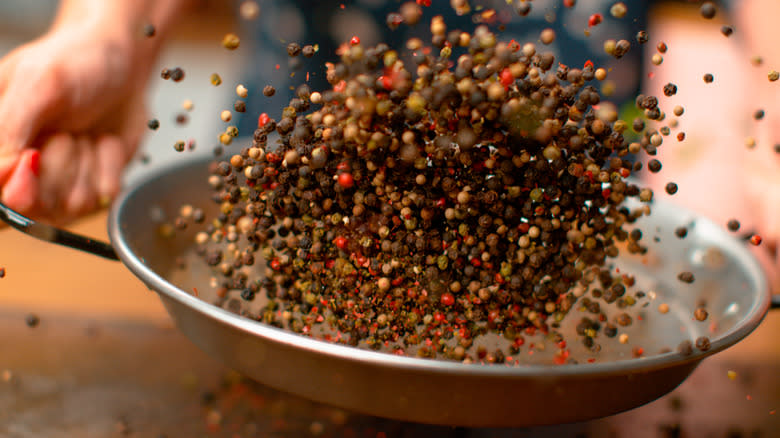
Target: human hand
pixel 71 115
pixel 71 105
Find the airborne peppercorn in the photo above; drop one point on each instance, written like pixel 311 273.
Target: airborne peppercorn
pixel 32 320
pixel 388 195
pixel 231 41
pixel 293 49
pixel 686 277
pixel 708 10
pixel 177 74
pixel 149 30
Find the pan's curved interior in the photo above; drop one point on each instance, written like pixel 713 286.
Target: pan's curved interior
pixel 728 283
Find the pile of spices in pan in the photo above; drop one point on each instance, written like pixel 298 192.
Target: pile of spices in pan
pixel 423 204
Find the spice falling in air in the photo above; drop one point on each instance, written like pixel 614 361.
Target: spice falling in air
pixel 249 10
pixel 708 10
pixel 231 41
pixel 32 320
pixel 339 199
pixel 618 10
pixel 149 30
pixel 686 277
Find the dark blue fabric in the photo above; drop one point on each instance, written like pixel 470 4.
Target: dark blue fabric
pixel 322 19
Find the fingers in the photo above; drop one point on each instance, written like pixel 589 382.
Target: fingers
pixel 110 161
pixel 78 175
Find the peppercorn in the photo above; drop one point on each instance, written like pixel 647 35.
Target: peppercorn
pixel 231 41
pixel 177 74
pixel 700 314
pixel 654 166
pixel 32 320
pixel 153 124
pixel 670 89
pixel 247 294
pixel 293 49
pixel 269 91
pixel 708 78
pixel 240 106
pixel 308 51
pixel 707 10
pixel 726 30
pixel 215 80
pixel 671 188
pixel 523 8
pixel 681 232
pixel 618 10
pixel 642 37
pixel 149 30
pixel 547 36
pixel 369 200
pixel 685 348
pixel 703 343
pixel 686 277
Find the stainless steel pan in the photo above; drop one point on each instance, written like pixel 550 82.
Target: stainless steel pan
pixel 729 281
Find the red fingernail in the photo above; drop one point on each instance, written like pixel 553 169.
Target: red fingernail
pixel 35 162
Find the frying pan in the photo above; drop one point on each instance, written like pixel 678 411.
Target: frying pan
pixel 729 282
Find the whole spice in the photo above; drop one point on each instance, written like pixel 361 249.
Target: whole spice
pixel 411 206
pixel 707 10
pixel 32 320
pixel 231 41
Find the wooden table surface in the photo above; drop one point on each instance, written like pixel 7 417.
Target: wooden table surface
pixel 105 361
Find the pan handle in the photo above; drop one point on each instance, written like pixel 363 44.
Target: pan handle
pixel 56 235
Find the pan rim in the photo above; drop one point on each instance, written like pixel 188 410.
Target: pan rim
pixel 156 282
